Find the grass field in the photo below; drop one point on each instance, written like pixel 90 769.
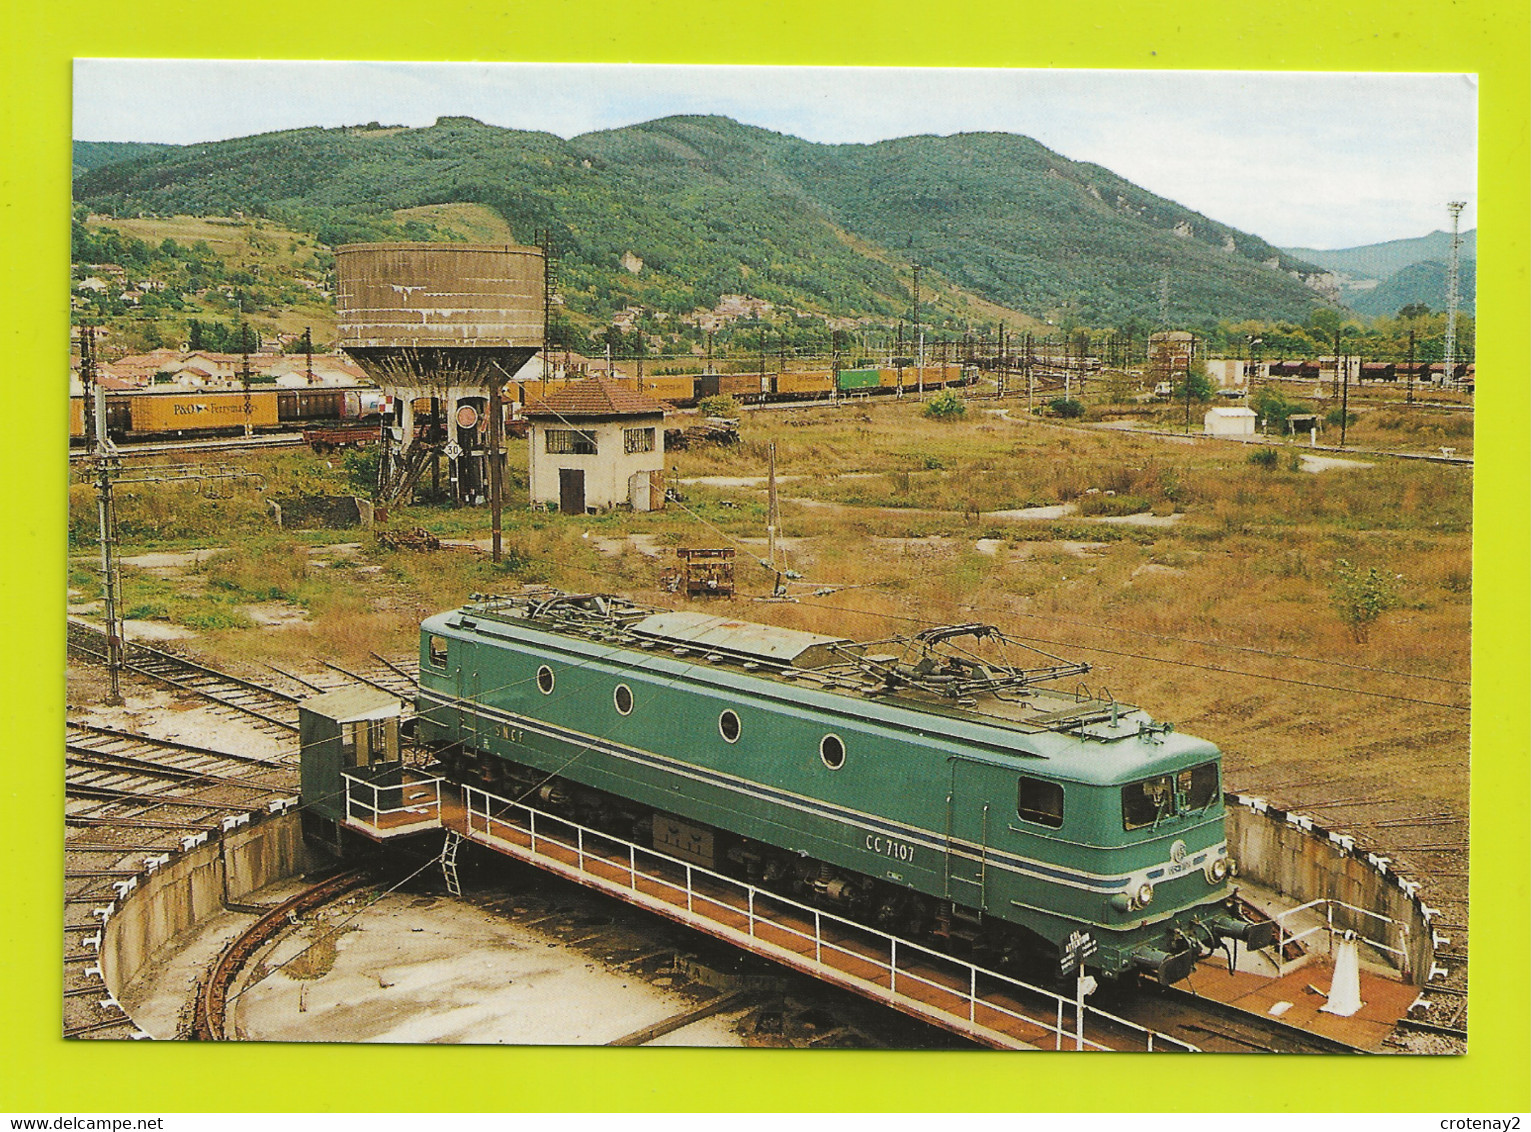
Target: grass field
pixel 1196 582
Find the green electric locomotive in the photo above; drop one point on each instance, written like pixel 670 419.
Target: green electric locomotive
pixel 926 784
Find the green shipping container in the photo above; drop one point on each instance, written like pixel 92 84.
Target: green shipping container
pixel 848 379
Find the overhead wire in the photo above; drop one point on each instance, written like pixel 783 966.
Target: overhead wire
pixel 1157 659
pixel 1166 660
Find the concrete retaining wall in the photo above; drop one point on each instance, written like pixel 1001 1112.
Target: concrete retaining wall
pixel 178 890
pixel 1296 858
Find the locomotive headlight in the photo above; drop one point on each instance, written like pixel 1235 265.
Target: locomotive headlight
pixel 1217 871
pixel 1144 895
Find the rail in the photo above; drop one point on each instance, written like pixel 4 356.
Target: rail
pixel 1329 904
pixel 952 992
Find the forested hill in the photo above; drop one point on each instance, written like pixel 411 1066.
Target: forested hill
pixel 674 213
pixel 92 155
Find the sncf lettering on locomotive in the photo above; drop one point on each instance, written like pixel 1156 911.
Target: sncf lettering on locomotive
pixel 887 847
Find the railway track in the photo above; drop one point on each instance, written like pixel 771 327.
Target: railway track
pixel 224 444
pixel 276 710
pixel 209 1011
pixel 130 800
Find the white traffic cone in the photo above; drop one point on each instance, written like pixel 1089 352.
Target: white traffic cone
pixel 1345 987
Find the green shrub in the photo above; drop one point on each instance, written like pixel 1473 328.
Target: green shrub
pixel 1266 458
pixel 1066 407
pixel 722 406
pixel 210 620
pixel 1361 596
pixel 945 406
pixel 1112 505
pixel 1336 417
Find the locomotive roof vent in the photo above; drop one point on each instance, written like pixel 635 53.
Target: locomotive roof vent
pixel 723 638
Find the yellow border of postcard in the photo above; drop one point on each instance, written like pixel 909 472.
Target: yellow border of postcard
pixel 43 1073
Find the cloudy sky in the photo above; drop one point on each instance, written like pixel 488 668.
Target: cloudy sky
pixel 1301 159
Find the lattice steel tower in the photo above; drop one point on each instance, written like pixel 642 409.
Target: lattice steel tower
pixel 1448 371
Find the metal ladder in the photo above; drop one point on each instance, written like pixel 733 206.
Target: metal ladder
pixel 449 862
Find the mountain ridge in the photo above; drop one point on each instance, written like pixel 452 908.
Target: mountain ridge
pixel 711 206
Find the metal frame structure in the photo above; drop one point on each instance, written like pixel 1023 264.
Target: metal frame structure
pixel 972 1000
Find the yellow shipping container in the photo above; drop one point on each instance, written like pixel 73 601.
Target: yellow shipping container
pixel 671 387
pixel 805 383
pixel 202 412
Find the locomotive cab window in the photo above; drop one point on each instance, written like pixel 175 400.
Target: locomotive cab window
pixel 1198 786
pixel 436 650
pixel 1040 801
pixel 1148 802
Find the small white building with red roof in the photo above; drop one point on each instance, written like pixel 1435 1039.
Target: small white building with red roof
pixel 595 446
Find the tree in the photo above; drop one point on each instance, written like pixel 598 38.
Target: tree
pixel 1360 596
pixel 1200 385
pixel 1412 311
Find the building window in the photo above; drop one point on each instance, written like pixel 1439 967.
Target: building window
pixel 1040 801
pixel 570 442
pixel 832 751
pixel 728 726
pixel 638 440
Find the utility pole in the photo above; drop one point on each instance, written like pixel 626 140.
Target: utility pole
pixel 244 375
pixel 1191 350
pixel 1344 403
pixel 900 356
pixel 496 470
pixel 88 380
pixel 773 516
pixel 1410 399
pixel 919 332
pixel 1334 390
pixel 1004 365
pixel 308 353
pixel 1031 379
pixel 108 472
pixel 1448 372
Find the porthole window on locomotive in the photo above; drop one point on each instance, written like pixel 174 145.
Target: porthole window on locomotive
pixel 1040 801
pixel 545 679
pixel 623 698
pixel 832 751
pixel 728 726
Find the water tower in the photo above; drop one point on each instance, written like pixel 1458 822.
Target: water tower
pixel 438 327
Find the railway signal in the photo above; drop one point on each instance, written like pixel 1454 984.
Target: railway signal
pixel 1076 949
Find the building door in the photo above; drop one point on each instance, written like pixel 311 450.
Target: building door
pixel 571 491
